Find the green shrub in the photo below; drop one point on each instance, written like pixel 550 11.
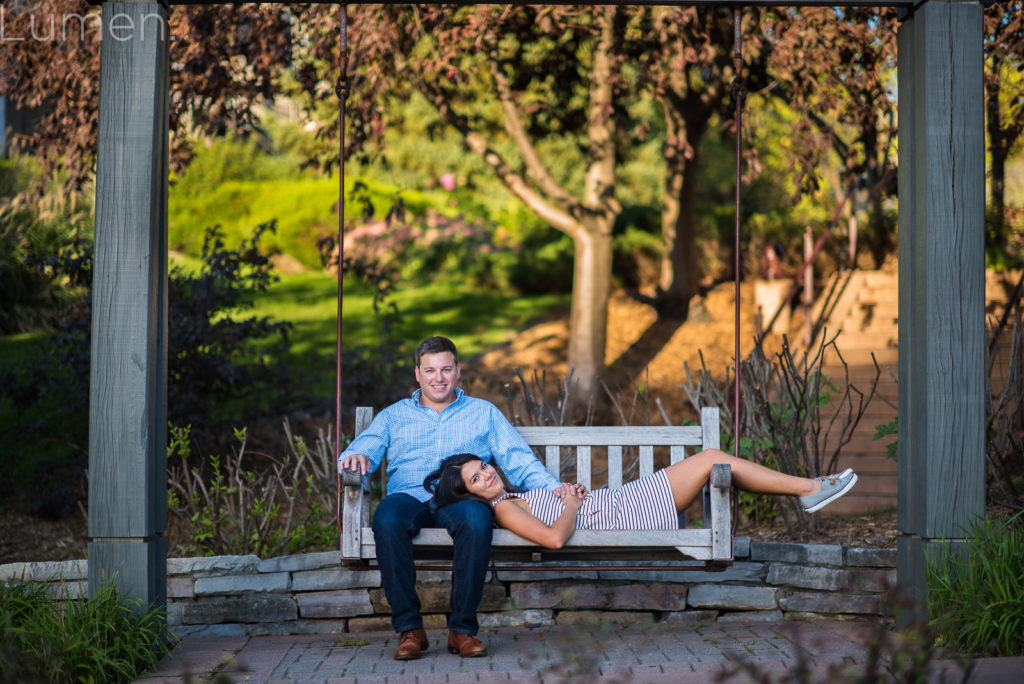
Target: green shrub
pixel 30 297
pixel 302 207
pixel 217 357
pixel 100 639
pixel 246 503
pixel 228 159
pixel 220 364
pixel 976 593
pixel 797 417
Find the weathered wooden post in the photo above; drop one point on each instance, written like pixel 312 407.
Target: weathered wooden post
pixel 942 281
pixel 127 404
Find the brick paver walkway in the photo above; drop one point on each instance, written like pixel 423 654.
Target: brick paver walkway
pixel 573 653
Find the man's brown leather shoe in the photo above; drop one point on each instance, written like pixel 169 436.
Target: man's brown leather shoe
pixel 465 645
pixel 411 644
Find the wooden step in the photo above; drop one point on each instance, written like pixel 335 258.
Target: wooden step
pixel 872 324
pixel 859 373
pixel 858 339
pixel 885 387
pixel 862 357
pixel 875 327
pixel 880 299
pixel 879 278
pixel 875 463
pixel 875 484
pixel 877 410
pixel 864 445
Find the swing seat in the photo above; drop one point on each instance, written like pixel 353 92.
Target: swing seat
pixel 712 543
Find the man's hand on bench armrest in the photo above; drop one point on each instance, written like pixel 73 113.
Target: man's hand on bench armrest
pixel 355 463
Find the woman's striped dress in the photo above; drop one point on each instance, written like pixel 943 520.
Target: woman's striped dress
pixel 644 504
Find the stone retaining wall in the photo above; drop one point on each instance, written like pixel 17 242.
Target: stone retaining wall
pixel 311 594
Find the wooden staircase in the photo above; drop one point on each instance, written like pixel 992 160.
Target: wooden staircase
pixel 866 314
pixel 866 317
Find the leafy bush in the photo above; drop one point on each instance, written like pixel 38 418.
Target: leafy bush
pixel 890 429
pixel 218 366
pixel 301 208
pixel 228 159
pixel 1004 398
pixel 100 639
pixel 29 228
pixel 216 359
pixel 30 298
pixel 52 389
pixel 252 504
pixel 976 592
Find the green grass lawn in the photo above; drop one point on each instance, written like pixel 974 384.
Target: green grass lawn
pixel 474 318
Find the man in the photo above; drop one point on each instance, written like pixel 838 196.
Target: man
pixel 416 434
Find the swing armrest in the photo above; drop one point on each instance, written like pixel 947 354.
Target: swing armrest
pixel 355 514
pixel 721 527
pixel 351 478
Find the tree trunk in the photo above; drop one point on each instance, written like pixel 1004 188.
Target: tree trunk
pixel 592 267
pixel 590 292
pixel 678 282
pixel 998 151
pixel 588 220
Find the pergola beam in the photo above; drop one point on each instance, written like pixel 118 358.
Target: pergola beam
pixel 941 282
pixel 128 383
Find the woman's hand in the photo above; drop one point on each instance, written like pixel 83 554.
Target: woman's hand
pixel 577 490
pixel 573 493
pixel 570 489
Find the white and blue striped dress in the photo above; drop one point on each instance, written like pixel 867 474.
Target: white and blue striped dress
pixel 644 504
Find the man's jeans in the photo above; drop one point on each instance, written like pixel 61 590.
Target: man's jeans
pixel 399 518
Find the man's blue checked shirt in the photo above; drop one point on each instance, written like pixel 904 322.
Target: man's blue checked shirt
pixel 417 438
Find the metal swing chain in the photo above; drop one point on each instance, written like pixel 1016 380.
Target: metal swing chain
pixel 739 94
pixel 341 90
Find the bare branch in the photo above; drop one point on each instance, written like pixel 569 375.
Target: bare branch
pixel 534 166
pixel 515 183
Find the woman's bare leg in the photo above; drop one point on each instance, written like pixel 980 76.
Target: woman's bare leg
pixel 689 476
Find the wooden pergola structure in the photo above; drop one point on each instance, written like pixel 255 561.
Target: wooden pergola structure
pixel 941 292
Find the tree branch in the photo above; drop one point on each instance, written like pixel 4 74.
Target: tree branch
pixel 514 126
pixel 516 184
pixel 838 144
pixel 599 187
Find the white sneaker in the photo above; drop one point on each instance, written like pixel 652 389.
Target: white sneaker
pixel 832 487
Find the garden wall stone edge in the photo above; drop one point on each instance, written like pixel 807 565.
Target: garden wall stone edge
pixel 313 594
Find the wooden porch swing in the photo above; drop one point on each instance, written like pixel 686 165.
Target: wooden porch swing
pixel 710 546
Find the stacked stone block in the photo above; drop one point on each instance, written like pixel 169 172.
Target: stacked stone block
pixel 312 594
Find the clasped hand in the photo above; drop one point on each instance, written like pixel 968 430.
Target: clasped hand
pixel 570 490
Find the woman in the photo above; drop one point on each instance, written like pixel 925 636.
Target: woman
pixel 650 503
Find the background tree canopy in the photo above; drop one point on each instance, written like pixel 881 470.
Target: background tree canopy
pixel 519 150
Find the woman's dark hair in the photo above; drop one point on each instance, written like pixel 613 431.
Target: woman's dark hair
pixel 446 482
